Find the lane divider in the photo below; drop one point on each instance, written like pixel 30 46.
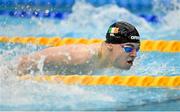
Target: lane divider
pixel 37 14
pixel 117 80
pixel 59 14
pixel 146 45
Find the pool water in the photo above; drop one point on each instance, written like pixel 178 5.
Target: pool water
pixel 30 95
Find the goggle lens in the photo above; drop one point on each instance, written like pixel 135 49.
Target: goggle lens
pixel 129 49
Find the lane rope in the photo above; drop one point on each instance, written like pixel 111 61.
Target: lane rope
pixel 116 80
pixel 171 46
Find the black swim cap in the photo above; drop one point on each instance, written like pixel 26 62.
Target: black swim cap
pixel 122 32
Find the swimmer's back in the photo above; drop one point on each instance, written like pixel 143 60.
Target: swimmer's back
pixel 68 54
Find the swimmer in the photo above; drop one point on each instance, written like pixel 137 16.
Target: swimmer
pixel 118 50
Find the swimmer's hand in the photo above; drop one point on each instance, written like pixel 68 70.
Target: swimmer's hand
pixel 25 65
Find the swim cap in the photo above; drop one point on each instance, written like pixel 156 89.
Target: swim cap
pixel 122 32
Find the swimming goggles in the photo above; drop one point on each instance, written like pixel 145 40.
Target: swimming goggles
pixel 129 49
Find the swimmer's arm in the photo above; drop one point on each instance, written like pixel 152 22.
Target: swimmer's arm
pixel 30 62
pixel 54 56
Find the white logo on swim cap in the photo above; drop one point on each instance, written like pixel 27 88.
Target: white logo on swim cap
pixel 135 37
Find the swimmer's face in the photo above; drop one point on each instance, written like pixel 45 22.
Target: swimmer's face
pixel 124 55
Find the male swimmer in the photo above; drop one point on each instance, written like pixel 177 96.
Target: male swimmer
pixel 118 50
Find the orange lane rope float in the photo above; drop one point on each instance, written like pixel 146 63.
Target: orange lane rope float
pixel 146 45
pixel 117 80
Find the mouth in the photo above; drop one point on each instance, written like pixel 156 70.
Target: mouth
pixel 130 61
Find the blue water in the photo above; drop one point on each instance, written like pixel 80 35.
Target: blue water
pixel 29 95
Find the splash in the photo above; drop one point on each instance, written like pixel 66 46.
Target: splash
pixel 101 18
pixel 169 11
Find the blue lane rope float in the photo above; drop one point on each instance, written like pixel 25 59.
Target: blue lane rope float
pixel 52 3
pixel 58 14
pixel 135 3
pixel 59 9
pixel 150 17
pixel 37 14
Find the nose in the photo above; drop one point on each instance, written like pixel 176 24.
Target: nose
pixel 133 53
